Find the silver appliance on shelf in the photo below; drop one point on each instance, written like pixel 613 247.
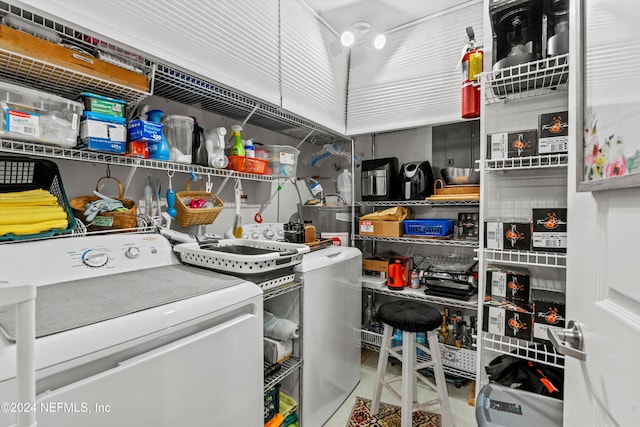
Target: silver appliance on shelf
pixel 123 328
pixel 379 179
pixel 332 307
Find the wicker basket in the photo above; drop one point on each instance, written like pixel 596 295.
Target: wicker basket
pixel 106 221
pixel 439 189
pixel 197 216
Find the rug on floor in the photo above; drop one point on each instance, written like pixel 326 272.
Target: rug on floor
pixel 388 416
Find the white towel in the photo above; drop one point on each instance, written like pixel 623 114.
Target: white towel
pixel 280 329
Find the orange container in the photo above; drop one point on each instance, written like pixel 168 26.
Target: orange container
pixel 255 165
pixel 236 163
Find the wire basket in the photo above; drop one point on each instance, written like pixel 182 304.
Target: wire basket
pixel 429 227
pixel 255 165
pixel 187 216
pixel 23 173
pixel 107 221
pixel 271 402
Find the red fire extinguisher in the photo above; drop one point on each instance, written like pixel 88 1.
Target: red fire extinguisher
pixel 471 68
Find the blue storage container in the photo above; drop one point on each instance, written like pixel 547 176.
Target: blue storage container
pixel 429 227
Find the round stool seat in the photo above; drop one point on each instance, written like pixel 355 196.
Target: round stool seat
pixel 410 316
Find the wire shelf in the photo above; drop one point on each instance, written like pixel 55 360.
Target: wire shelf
pixel 523 349
pixel 189 89
pixel 281 290
pixel 532 79
pixel 50 151
pixel 544 259
pixel 532 162
pixel 459 362
pixel 419 295
pixel 419 203
pixel 425 241
pixel 289 365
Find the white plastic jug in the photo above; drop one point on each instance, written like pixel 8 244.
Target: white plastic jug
pixel 344 186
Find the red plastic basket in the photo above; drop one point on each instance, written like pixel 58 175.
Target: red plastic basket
pixel 255 165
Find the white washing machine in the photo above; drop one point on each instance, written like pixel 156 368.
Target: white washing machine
pixel 332 305
pixel 128 336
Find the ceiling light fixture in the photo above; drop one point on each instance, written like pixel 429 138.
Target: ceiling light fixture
pixel 358 32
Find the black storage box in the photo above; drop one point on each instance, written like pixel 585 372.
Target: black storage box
pixel 549 312
pixel 508 235
pixel 549 230
pixel 508 283
pixel 553 131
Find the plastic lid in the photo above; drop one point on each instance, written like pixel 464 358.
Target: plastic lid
pixel 106 98
pixel 178 118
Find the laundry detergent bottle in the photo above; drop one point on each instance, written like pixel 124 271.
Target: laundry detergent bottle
pixel 160 150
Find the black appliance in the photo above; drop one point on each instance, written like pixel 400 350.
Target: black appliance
pixel 380 179
pixel 517 27
pixel 416 181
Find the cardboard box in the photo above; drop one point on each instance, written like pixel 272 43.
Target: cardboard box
pixel 507 145
pixel 337 239
pixel 510 323
pixel 549 230
pixel 467 226
pixel 509 284
pixel 549 312
pixel 381 228
pixel 145 130
pixel 508 235
pixel 99 132
pixel 376 264
pixel 276 351
pixel 553 131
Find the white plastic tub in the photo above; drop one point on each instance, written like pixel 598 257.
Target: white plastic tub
pixel 35 116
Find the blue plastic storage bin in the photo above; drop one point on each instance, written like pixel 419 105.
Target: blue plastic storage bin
pixel 429 227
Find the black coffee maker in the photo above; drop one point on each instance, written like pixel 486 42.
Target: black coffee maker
pixel 528 30
pixel 517 31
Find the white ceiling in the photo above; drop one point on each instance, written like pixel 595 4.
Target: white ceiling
pixel 383 15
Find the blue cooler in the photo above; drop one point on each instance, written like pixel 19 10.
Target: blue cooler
pixel 498 405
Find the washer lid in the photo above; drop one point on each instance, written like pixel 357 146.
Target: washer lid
pixel 69 305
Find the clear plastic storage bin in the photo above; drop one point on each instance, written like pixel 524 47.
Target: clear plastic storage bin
pixel 32 115
pixel 283 159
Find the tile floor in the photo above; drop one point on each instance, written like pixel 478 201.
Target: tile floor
pixel 463 414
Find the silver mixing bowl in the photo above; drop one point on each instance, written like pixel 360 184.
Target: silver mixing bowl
pixel 460 176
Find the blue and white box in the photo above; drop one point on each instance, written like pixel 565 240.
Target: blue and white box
pixel 145 130
pixel 100 132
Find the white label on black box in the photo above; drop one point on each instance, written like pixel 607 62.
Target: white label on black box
pixel 540 330
pixel 494 235
pixel 498 284
pixel 546 240
pixel 499 146
pixel 495 324
pixel 558 144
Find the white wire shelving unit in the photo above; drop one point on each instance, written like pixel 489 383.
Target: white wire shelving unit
pixel 419 295
pixel 528 80
pixel 545 354
pixel 531 162
pixel 419 241
pixel 420 203
pixel 459 362
pixel 542 259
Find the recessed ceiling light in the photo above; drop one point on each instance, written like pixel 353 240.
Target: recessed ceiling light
pixel 347 38
pixel 379 41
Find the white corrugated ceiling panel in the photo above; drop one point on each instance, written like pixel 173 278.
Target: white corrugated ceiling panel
pixel 234 43
pixel 413 80
pixel 314 67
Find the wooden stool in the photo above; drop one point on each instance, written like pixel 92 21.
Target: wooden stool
pixel 410 317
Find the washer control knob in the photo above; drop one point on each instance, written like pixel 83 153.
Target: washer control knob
pixel 268 234
pixel 245 236
pixel 95 259
pixel 255 235
pixel 132 252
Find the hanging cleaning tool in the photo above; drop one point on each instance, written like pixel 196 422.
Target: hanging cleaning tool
pixel 237 223
pixel 258 217
pixel 238 147
pixel 148 197
pixel 171 196
pixel 159 150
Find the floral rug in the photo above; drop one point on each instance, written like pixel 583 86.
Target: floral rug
pixel 388 416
